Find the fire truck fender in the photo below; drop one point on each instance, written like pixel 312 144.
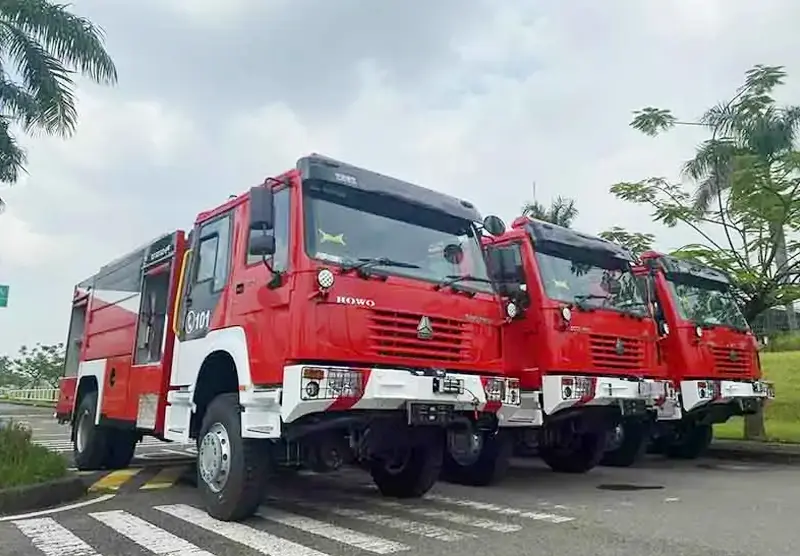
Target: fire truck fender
pixel 192 355
pixel 91 377
pixel 196 358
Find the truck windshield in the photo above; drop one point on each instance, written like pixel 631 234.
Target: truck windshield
pixel 585 283
pixel 706 303
pixel 344 225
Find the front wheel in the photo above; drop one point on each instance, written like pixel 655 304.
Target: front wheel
pixel 407 473
pixel 231 471
pixel 577 452
pixel 691 442
pixel 630 444
pixel 485 460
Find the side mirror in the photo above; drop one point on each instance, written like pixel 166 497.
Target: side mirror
pixel 262 208
pixel 494 225
pixel 262 245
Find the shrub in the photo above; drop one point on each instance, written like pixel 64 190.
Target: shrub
pixel 22 462
pixel 785 341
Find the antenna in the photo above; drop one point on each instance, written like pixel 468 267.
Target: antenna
pixel 533 187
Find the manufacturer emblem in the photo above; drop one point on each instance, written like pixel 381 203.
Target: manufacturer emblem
pixel 424 329
pixel 733 356
pixel 619 348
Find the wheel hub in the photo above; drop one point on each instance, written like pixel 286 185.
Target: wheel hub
pixel 214 457
pixel 464 445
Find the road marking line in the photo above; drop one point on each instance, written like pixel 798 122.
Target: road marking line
pixel 260 541
pixel 401 524
pixel 49 511
pixel 332 532
pixel 147 535
pixel 453 517
pixel 52 539
pixel 502 510
pixel 165 478
pixel 115 479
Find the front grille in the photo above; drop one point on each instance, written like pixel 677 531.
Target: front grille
pixel 606 355
pixel 732 361
pixel 394 334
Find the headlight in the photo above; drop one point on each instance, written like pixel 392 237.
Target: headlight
pixel 512 310
pixel 325 278
pixel 698 332
pixel 566 313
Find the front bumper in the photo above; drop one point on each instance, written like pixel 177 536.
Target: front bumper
pixel 321 389
pixel 560 392
pixel 699 393
pixel 664 399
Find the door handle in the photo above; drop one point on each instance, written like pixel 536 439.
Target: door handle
pixel 112 377
pixel 239 288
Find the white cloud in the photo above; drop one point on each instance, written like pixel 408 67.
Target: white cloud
pixel 534 92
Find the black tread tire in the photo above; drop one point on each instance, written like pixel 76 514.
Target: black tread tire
pixel 633 447
pixel 250 465
pixel 586 457
pixel 94 457
pixel 491 466
pixel 417 478
pixel 121 447
pixel 693 443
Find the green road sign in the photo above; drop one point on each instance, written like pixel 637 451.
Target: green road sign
pixel 3 296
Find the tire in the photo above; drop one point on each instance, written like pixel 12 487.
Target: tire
pixel 90 442
pixel 631 450
pixel 415 478
pixel 491 466
pixel 579 458
pixel 121 447
pixel 239 496
pixel 692 443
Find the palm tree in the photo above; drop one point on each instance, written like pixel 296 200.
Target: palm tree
pixel 42 46
pixel 562 211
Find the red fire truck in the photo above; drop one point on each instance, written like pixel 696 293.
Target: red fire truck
pixel 582 343
pixel 708 348
pixel 331 315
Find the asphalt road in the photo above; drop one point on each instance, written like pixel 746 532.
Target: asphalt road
pixel 48 433
pixel 661 508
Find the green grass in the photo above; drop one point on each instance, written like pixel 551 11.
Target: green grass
pixel 25 463
pixel 782 416
pixel 786 341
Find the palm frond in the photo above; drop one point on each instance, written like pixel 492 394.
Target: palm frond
pixel 73 40
pixel 16 103
pixel 43 75
pixel 12 156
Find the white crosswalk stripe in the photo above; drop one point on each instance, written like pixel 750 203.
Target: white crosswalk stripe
pixel 156 533
pixel 64 444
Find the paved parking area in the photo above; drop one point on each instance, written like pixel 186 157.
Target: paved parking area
pixel 661 508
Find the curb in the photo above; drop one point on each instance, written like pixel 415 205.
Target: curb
pixel 757 452
pixel 41 495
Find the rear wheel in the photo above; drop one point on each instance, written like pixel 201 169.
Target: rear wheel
pixel 407 473
pixel 478 459
pixel 231 471
pixel 90 441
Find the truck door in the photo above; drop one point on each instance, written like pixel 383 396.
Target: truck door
pixel 203 303
pixel 152 352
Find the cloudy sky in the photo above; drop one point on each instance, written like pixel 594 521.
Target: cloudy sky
pixel 475 98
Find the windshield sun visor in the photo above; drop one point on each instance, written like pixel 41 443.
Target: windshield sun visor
pixel 322 168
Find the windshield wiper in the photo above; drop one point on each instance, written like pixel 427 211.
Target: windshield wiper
pixel 455 278
pixel 366 262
